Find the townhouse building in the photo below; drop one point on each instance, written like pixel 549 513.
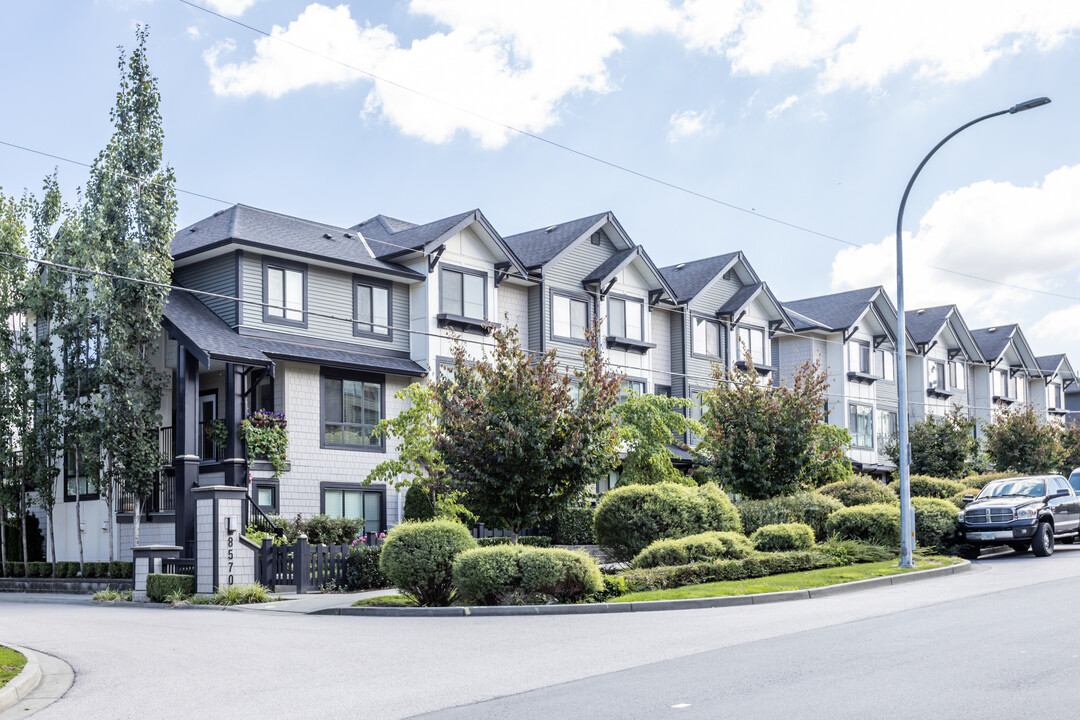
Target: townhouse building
pixel 941 372
pixel 1048 392
pixel 1010 368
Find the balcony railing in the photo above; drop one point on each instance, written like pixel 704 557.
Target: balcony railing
pixel 162 498
pixel 206 450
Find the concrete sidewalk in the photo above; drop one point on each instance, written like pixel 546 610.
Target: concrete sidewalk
pixel 312 602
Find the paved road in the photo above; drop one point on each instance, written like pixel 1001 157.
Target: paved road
pixel 922 649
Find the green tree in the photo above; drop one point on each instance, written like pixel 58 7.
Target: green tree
pixel 941 445
pixel 1069 437
pixel 418 504
pixel 648 424
pixel 759 440
pixel 829 462
pixel 129 218
pixel 1020 441
pixel 512 436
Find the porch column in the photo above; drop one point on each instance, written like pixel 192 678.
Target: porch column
pixel 186 464
pixel 235 463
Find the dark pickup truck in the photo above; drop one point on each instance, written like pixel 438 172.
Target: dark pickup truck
pixel 1021 512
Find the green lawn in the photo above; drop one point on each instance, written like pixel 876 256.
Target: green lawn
pixel 11 664
pixel 385 601
pixel 788 581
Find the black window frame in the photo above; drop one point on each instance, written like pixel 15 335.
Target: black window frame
pixel 275 487
pixel 370 282
pixel 572 297
pixel 69 496
pixel 443 269
pixel 327 373
pixel 375 489
pixel 764 336
pixel 625 299
pixel 281 264
pixel 719 337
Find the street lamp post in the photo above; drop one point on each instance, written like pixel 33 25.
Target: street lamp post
pixel 907 519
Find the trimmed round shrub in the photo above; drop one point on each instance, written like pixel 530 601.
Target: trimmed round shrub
pixel 860 490
pixel 160 585
pixel 565 575
pixel 930 487
pixel 876 523
pixel 362 569
pixel 632 517
pixel 570 526
pixel 958 498
pixel 783 537
pixel 418 504
pixel 979 481
pixel 810 508
pixel 702 547
pixel 418 558
pixel 935 522
pixel 541 541
pixel 489 575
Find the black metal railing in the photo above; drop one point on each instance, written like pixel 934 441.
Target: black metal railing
pixel 167 443
pixel 254 515
pixel 209 451
pixel 178 566
pixel 162 498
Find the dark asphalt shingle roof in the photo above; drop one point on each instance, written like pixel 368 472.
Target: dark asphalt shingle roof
pixel 1049 363
pixel 834 312
pixel 924 325
pixel 736 302
pixel 537 247
pixel 275 231
pixel 199 325
pixel 992 341
pixel 606 267
pixel 388 236
pixel 689 278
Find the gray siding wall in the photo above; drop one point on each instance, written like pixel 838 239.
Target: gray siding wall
pixel 566 275
pixel 677 324
pixel 706 304
pixel 536 330
pixel 886 393
pixel 216 275
pixel 329 292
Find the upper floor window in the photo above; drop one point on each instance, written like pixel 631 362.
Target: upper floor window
pixel 464 293
pixel 1053 397
pixel 628 385
pixel 885 365
pixel 861 425
pixel 706 337
pixel 284 292
pixel 957 375
pixel 1001 383
pixel 936 373
pixel 352 405
pixel 76 479
pixel 1020 388
pixel 752 339
pixel 371 309
pixel 859 357
pixel 569 317
pixel 626 318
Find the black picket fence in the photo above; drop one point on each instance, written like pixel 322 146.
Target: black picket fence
pixel 302 565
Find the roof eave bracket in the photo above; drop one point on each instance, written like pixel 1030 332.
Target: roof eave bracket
pixel 879 340
pixel 654 297
pixel 851 333
pixel 502 270
pixel 433 259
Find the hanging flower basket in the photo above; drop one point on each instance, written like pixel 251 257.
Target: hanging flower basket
pixel 267 438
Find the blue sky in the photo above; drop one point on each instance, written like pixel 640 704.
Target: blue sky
pixel 812 113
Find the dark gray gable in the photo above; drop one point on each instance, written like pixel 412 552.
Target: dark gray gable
pixel 992 341
pixel 408 239
pixel 610 265
pixel 924 325
pixel 689 278
pixel 536 248
pixel 838 311
pixel 1050 363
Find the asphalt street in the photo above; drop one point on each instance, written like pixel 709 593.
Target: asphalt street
pixel 987 643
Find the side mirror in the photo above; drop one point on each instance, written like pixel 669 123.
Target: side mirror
pixel 968 498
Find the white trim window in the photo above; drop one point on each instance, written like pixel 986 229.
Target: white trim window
pixel 464 293
pixel 1001 383
pixel 885 365
pixel 1053 396
pixel 752 339
pixel 625 318
pixel 861 425
pixel 706 337
pixel 1020 383
pixel 570 317
pixel 859 357
pixel 936 374
pixel 887 427
pixel 285 293
pixel 638 386
pixel 957 375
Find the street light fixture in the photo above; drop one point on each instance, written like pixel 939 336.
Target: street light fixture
pixel 907 518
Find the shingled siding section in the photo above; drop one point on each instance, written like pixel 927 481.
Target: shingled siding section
pixel 514 309
pixel 217 275
pixel 660 319
pixel 536 329
pixel 566 275
pixel 676 351
pixel 329 292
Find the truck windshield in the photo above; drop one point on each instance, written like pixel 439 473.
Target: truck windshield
pixel 1014 486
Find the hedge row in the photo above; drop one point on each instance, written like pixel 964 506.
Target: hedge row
pixel 702 547
pixel 161 585
pixel 116 570
pixel 860 490
pixel 540 541
pixel 935 523
pixel 783 537
pixel 662 578
pixel 513 575
pixel 811 508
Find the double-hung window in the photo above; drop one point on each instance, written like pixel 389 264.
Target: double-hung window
pixel 352 405
pixel 1054 396
pixel 885 365
pixel 886 428
pixel 936 372
pixel 1001 383
pixel 637 386
pixel 372 309
pixel 464 293
pixel 285 291
pixel 861 425
pixel 625 318
pixel 570 317
pixel 752 340
pixel 356 504
pixel 859 357
pixel 957 375
pixel 1020 383
pixel 76 479
pixel 706 337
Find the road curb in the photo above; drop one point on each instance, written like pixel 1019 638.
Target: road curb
pixel 652 605
pixel 24 683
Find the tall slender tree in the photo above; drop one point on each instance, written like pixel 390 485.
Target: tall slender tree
pixel 129 219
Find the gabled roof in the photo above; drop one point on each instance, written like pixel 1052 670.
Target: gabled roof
pixel 389 237
pixel 690 278
pixel 993 342
pixel 613 264
pixel 273 231
pixel 208 337
pixel 924 325
pixel 838 311
pixel 536 248
pixel 1050 363
pixel 738 302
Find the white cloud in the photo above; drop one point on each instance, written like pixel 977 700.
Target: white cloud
pixel 1058 325
pixel 782 106
pixel 1019 236
pixel 858 43
pixel 235 8
pixel 497 60
pixel 194 32
pixel 686 123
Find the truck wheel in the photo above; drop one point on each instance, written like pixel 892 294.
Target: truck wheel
pixel 1020 547
pixel 1043 542
pixel 969 552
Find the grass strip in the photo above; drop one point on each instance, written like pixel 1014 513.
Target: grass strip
pixel 385 601
pixel 11 664
pixel 788 581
